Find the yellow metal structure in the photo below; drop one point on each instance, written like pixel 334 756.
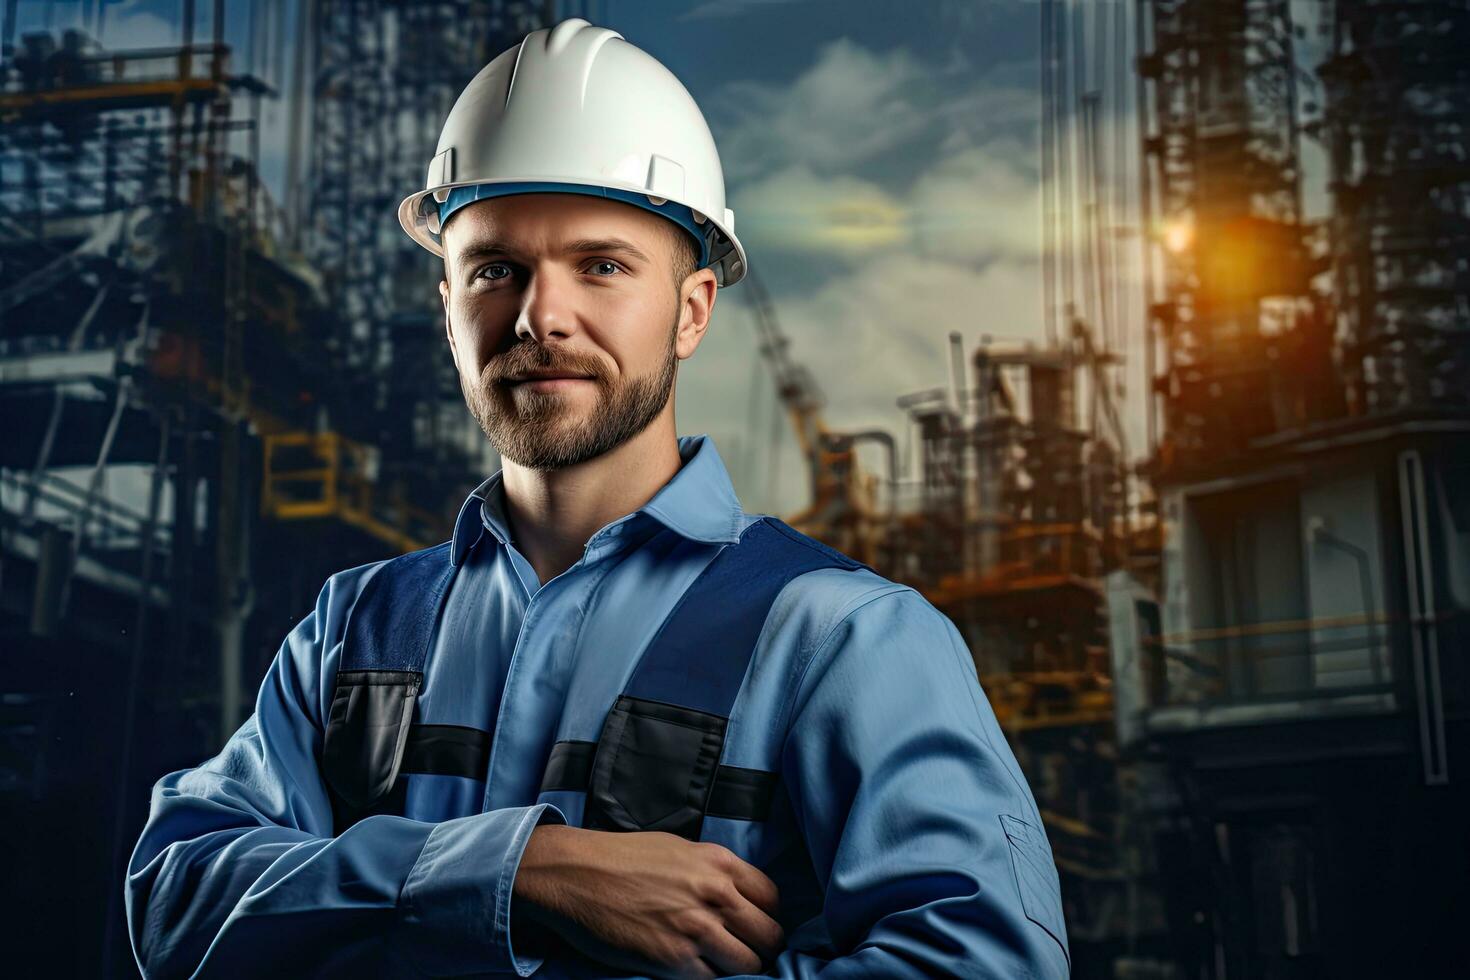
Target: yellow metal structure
pixel 326 476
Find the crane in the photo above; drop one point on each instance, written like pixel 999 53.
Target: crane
pixel 844 509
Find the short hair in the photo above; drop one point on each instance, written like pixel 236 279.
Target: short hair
pixel 684 251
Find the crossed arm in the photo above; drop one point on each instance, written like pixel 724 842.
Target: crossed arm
pixel 918 822
pixel 920 825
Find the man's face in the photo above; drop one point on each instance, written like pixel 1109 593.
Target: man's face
pixel 573 286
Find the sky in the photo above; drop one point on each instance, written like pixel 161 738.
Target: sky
pixel 882 160
pixel 882 164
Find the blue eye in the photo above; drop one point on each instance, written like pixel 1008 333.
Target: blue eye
pixel 613 266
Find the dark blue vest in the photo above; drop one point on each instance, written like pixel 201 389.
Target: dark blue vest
pixel 655 765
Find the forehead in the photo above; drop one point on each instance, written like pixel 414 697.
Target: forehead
pixel 542 223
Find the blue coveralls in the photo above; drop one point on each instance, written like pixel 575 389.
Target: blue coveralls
pixel 903 837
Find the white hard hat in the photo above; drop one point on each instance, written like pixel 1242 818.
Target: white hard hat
pixel 577 109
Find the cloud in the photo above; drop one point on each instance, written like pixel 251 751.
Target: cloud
pixel 972 206
pixel 798 210
pixel 868 336
pixel 882 331
pixel 851 106
pixel 977 204
pixel 129 30
pixel 730 8
pixel 922 181
pixel 951 163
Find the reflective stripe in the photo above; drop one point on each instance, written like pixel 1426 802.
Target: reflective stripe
pixel 662 740
pixel 446 750
pixel 569 766
pixel 737 793
pixel 741 794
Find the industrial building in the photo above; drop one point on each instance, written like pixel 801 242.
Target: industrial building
pixel 170 333
pixel 1301 716
pixel 1230 659
pixel 1232 671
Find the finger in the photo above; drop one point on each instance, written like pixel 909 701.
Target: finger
pixel 755 886
pixel 753 927
pixel 697 970
pixel 728 955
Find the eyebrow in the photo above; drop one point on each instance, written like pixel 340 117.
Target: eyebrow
pixel 491 246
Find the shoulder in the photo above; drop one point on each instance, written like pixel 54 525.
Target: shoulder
pixel 314 645
pixel 850 604
pixel 840 584
pixel 343 589
pixel 816 606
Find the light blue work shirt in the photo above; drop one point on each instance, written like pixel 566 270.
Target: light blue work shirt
pixel 902 835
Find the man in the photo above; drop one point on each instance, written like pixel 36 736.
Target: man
pixel 615 725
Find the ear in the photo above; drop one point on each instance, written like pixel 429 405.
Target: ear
pixel 695 308
pixel 448 327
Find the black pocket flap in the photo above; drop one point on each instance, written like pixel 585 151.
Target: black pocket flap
pixel 366 731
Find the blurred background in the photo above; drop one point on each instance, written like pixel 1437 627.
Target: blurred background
pixel 1134 333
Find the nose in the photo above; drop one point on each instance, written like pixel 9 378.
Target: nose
pixel 547 310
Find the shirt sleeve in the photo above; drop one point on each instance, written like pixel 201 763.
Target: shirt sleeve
pixel 920 824
pixel 236 872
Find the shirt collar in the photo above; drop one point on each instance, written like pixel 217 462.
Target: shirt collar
pixel 698 502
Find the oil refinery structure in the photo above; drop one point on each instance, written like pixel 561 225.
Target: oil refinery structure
pixel 1230 655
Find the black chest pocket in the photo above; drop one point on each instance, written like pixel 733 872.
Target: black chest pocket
pixel 656 764
pixel 372 742
pixel 654 768
pixel 367 732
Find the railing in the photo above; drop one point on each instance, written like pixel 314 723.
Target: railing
pixel 41 68
pixel 110 534
pixel 1257 662
pixel 1058 548
pixel 112 155
pixel 314 476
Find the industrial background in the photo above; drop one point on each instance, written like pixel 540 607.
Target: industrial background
pixel 1134 333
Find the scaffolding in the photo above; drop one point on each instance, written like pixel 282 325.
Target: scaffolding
pixel 1222 196
pixel 203 423
pixel 1397 104
pixel 1314 387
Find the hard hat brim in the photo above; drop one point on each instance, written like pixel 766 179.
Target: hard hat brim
pixel 727 255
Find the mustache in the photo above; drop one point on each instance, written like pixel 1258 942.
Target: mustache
pixel 527 357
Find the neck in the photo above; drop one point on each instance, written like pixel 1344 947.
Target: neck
pixel 552 513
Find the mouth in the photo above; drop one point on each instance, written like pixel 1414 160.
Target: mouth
pixel 549 380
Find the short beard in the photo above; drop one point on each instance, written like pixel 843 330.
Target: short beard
pixel 532 429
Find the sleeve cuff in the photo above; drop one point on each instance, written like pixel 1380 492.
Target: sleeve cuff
pixel 455 903
pixel 545 813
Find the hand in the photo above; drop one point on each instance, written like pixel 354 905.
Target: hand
pixel 649 902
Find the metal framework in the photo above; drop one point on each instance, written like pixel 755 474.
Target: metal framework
pixel 1223 183
pixel 1397 128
